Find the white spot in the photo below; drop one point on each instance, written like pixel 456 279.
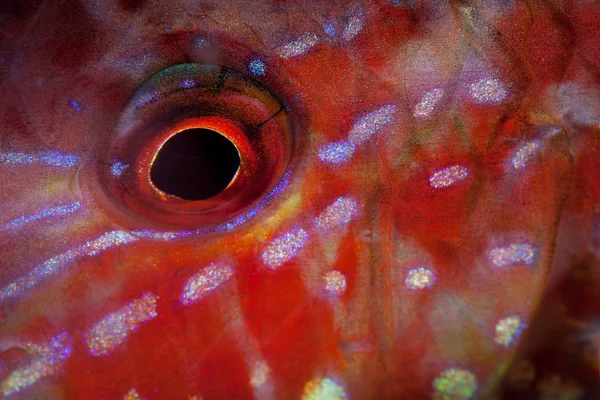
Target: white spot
pixel 205 281
pixel 47 360
pixel 113 330
pixel 425 107
pixel 419 278
pixel 448 176
pixel 299 46
pixel 508 330
pixel 353 27
pixel 335 282
pixel 512 254
pixel 367 125
pixel 284 248
pixel 488 91
pixel 454 384
pixel 524 154
pixel 260 374
pixel 323 389
pixel 339 213
pixel 336 152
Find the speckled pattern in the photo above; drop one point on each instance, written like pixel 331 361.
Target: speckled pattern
pixel 415 214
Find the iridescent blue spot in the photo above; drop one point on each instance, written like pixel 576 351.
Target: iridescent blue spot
pixel 187 84
pixel 76 106
pixel 200 42
pixel 257 67
pixel 117 168
pixel 330 27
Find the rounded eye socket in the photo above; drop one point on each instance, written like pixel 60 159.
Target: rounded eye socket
pixel 197 145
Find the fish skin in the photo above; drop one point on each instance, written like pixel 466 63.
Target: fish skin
pixel 376 340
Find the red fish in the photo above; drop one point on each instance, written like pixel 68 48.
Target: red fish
pixel 288 200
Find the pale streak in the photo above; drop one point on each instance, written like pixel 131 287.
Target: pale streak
pixel 525 153
pixel 47 360
pixel 426 106
pixel 335 282
pixel 513 254
pixel 260 373
pixel 353 27
pixel 488 91
pixel 113 330
pixel 284 248
pixel 336 152
pixel 448 176
pixel 338 214
pixel 58 211
pixel 360 132
pixel 50 158
pixel 368 124
pixel 299 46
pixel 58 263
pixel 207 280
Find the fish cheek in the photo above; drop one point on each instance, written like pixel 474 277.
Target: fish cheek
pixel 475 287
pixel 77 278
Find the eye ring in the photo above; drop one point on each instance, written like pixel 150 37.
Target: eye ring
pixel 234 133
pixel 185 97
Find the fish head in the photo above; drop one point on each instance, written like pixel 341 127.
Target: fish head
pixel 277 200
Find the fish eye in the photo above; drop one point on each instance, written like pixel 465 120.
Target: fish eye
pixel 195 146
pixel 195 164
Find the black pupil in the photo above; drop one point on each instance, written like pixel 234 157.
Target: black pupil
pixel 195 164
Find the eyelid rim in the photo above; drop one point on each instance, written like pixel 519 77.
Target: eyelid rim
pixel 225 127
